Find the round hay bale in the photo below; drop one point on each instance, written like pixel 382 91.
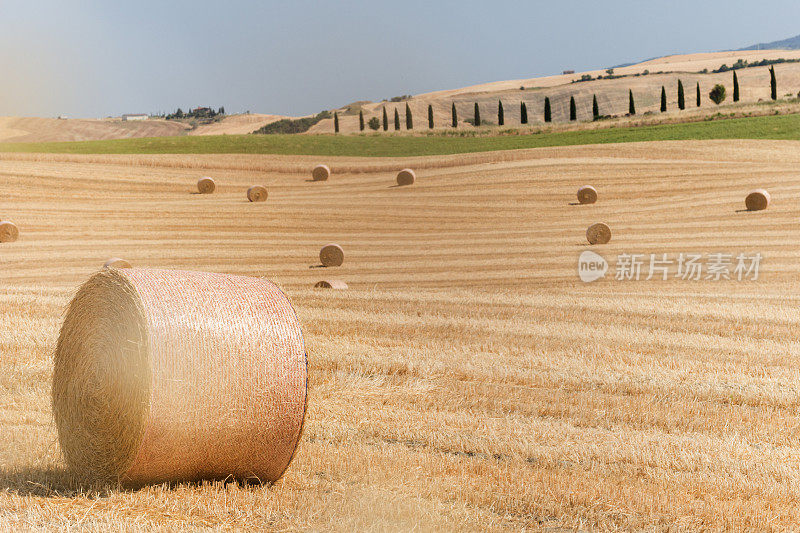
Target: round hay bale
pixel 9 232
pixel 257 193
pixel 206 185
pixel 758 200
pixel 168 376
pixel 598 233
pixel 331 255
pixel 406 177
pixel 116 262
pixel 331 284
pixel 587 195
pixel 321 173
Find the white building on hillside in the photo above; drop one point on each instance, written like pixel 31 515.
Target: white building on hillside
pixel 130 117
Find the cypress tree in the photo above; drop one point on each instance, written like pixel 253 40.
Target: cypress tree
pixel 663 99
pixel 773 84
pixel 523 113
pixel 548 116
pixel 409 121
pixel 454 113
pixel 477 121
pixel 595 108
pixel 430 116
pixel 698 94
pixel 573 111
pixel 385 120
pixel 361 120
pixel 631 103
pixel 735 87
pixel 396 120
pixel 336 122
pixel 681 98
pixel 501 119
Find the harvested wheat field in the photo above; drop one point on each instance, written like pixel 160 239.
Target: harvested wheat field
pixel 467 379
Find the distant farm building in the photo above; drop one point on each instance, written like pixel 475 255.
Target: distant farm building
pixel 131 117
pixel 568 72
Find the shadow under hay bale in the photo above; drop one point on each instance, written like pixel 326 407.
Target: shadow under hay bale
pixel 206 186
pixel 757 200
pixel 587 195
pixel 406 177
pixel 598 233
pixel 331 255
pixel 321 173
pixel 331 284
pixel 116 262
pixel 8 231
pixel 257 193
pixel 169 376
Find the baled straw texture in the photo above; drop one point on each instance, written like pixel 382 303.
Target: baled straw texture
pixel 116 262
pixel 257 193
pixel 331 255
pixel 178 376
pixel 598 233
pixel 587 195
pixel 406 177
pixel 321 173
pixel 331 284
pixel 206 185
pixel 8 231
pixel 758 200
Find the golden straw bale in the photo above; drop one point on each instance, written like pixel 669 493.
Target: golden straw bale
pixel 116 262
pixel 257 193
pixel 331 284
pixel 321 173
pixel 331 255
pixel 9 232
pixel 758 200
pixel 598 233
pixel 206 185
pixel 587 195
pixel 406 177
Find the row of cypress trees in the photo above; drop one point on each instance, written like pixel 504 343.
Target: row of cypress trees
pixel 548 117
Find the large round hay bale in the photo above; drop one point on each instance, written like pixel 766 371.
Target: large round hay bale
pixel 758 200
pixel 321 173
pixel 406 177
pixel 206 185
pixel 331 255
pixel 9 232
pixel 598 233
pixel 116 262
pixel 587 195
pixel 257 193
pixel 178 376
pixel 331 284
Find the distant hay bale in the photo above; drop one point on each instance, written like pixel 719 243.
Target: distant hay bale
pixel 406 177
pixel 168 376
pixel 321 173
pixel 331 255
pixel 331 284
pixel 257 193
pixel 758 200
pixel 206 185
pixel 116 262
pixel 9 232
pixel 587 195
pixel 598 233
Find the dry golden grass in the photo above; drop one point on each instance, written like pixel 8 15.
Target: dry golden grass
pixel 467 380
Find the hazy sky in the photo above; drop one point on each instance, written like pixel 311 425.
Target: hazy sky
pixel 97 58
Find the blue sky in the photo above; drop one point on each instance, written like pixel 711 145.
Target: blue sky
pixel 97 58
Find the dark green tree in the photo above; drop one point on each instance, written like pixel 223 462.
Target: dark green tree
pixel 523 113
pixel 773 84
pixel 573 111
pixel 663 99
pixel 501 119
pixel 477 119
pixel 717 94
pixel 698 94
pixel 374 124
pixel 735 87
pixel 361 120
pixel 385 120
pixel 631 103
pixel 454 115
pixel 396 120
pixel 595 108
pixel 409 120
pixel 336 122
pixel 221 110
pixel 681 96
pixel 430 116
pixel 548 115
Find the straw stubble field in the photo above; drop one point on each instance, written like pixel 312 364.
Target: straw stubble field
pixel 467 380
